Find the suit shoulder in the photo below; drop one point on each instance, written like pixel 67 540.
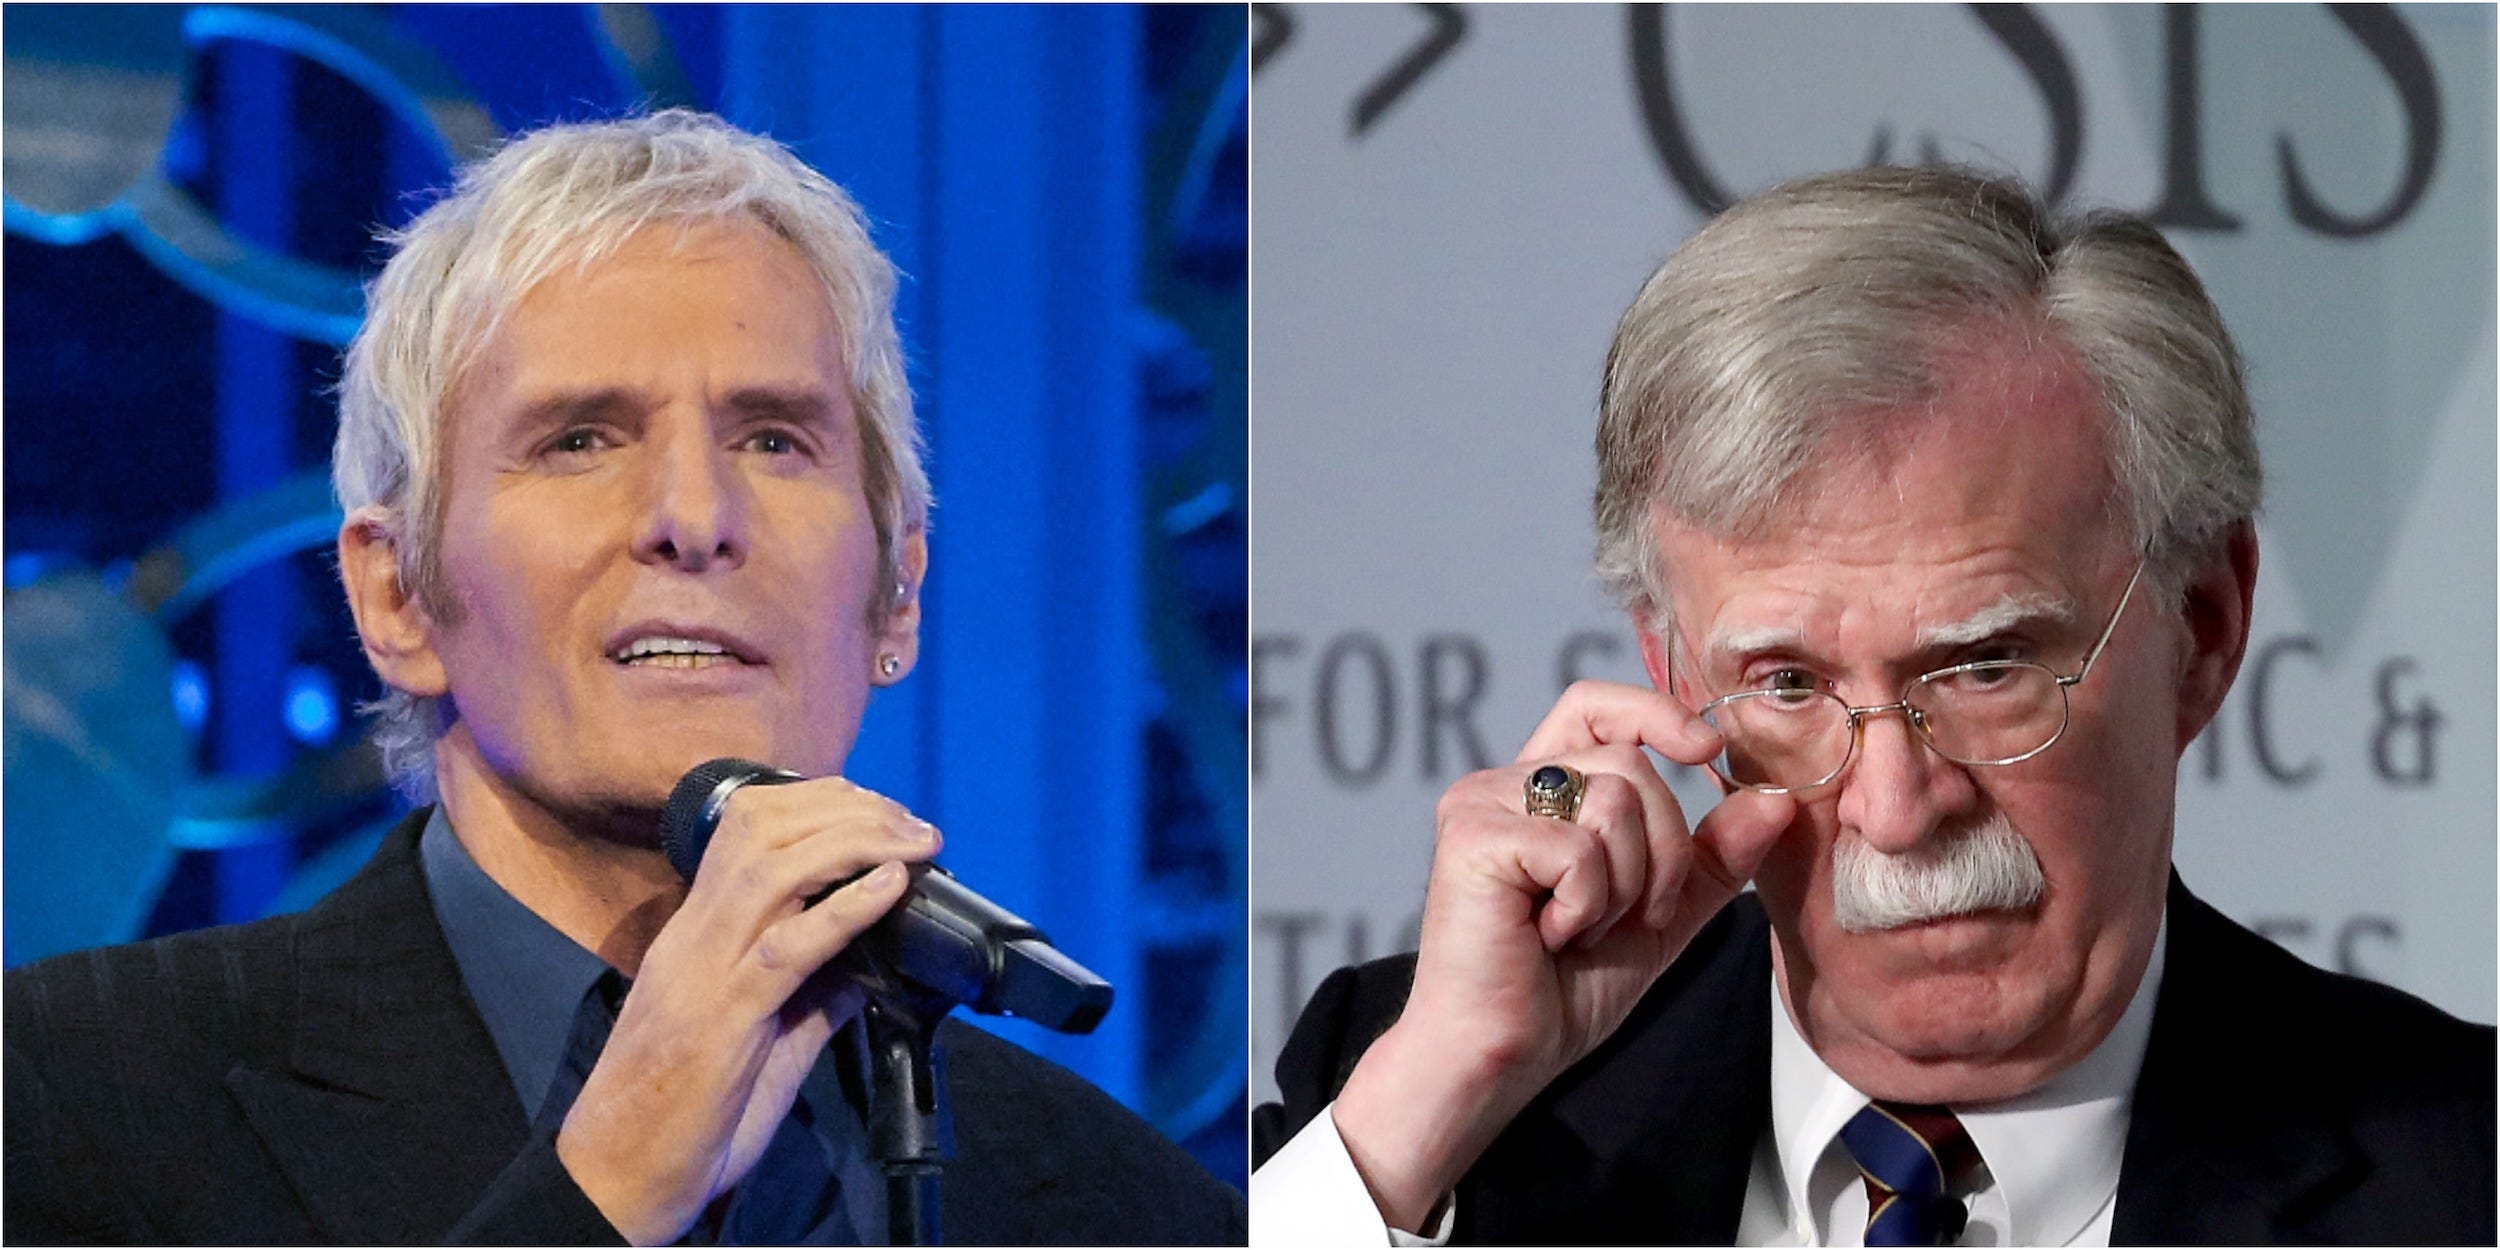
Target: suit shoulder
pixel 219 991
pixel 2247 1020
pixel 2359 1028
pixel 2402 1061
pixel 2265 1071
pixel 1082 1168
pixel 214 994
pixel 116 1067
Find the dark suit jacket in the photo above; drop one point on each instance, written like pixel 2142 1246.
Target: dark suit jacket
pixel 324 1077
pixel 2277 1103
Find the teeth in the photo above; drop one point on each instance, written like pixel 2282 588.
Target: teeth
pixel 674 660
pixel 674 652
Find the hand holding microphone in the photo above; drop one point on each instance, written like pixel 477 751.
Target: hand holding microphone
pixel 943 947
pixel 802 898
pixel 732 1003
pixel 945 940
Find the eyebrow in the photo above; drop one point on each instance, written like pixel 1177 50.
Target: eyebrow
pixel 2007 613
pixel 1759 638
pixel 799 405
pixel 566 407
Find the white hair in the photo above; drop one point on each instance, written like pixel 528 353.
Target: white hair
pixel 573 194
pixel 1843 293
pixel 1985 868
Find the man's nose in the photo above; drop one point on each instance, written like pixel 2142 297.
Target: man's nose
pixel 694 509
pixel 1898 791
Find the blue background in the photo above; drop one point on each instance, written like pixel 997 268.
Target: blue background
pixel 192 194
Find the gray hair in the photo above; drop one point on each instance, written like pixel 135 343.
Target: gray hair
pixel 1839 292
pixel 573 194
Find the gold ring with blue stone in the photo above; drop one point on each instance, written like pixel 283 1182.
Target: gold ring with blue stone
pixel 1554 790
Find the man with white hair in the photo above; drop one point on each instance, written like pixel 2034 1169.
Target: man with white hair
pixel 631 482
pixel 1933 513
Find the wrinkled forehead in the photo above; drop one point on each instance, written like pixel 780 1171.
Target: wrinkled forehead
pixel 607 322
pixel 1876 597
pixel 1811 623
pixel 508 274
pixel 1988 508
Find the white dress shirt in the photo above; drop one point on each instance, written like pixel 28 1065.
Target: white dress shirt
pixel 2048 1177
pixel 2048 1159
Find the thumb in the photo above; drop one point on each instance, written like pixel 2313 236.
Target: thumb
pixel 1730 842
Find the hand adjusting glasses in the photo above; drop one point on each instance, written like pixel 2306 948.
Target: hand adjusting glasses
pixel 1985 713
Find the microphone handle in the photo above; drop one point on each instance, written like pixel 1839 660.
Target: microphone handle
pixel 946 938
pixel 942 940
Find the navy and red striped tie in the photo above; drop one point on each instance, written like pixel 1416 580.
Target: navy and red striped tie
pixel 1914 1159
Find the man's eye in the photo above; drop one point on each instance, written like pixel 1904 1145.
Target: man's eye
pixel 1788 681
pixel 577 441
pixel 1992 677
pixel 774 443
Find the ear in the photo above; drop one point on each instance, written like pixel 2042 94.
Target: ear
pixel 2216 609
pixel 398 635
pixel 1656 657
pixel 900 635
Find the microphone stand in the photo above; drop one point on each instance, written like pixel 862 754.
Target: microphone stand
pixel 905 1107
pixel 945 945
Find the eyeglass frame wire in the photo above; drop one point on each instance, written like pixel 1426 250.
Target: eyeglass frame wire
pixel 1917 719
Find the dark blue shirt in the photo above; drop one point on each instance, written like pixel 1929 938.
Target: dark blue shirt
pixel 532 985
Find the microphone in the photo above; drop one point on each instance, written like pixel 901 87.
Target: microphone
pixel 943 939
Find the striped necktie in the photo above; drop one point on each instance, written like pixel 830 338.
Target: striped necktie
pixel 1913 1159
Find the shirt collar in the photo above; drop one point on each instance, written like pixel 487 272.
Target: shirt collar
pixel 526 977
pixel 2052 1154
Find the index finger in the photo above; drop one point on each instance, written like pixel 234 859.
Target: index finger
pixel 1605 713
pixel 783 813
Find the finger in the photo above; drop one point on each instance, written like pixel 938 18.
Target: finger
pixel 1568 863
pixel 835 856
pixel 1601 713
pixel 1729 844
pixel 1669 845
pixel 739 898
pixel 1663 832
pixel 791 949
pixel 787 848
pixel 775 816
pixel 1610 809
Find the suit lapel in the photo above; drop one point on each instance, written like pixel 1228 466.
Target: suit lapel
pixel 394 1112
pixel 1648 1141
pixel 2220 1146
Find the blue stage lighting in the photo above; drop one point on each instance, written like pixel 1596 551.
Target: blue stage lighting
pixel 190 695
pixel 312 705
pixel 26 567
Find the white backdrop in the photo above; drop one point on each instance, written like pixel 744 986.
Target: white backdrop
pixel 1452 206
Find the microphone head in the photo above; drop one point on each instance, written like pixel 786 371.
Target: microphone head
pixel 686 826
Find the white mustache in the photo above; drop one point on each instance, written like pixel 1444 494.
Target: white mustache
pixel 1983 868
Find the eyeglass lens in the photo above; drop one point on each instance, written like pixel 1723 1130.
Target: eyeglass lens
pixel 1990 713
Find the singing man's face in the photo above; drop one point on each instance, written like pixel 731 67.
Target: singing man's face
pixel 660 453
pixel 1983 532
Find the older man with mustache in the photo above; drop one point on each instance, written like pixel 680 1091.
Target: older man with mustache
pixel 1933 513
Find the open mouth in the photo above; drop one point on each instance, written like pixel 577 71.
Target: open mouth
pixel 665 652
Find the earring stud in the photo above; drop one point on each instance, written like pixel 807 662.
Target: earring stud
pixel 889 664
